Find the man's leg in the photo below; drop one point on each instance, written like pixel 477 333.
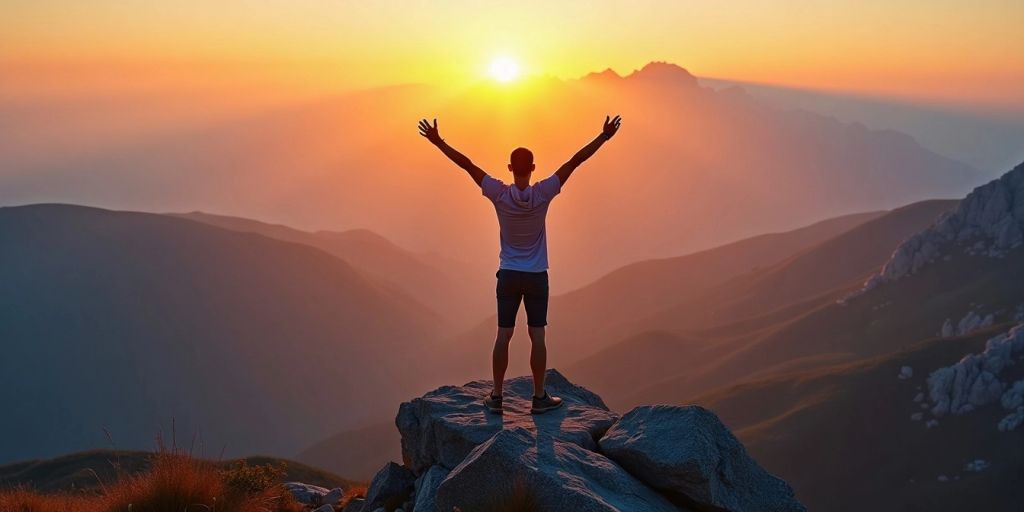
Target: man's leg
pixel 538 359
pixel 536 300
pixel 499 358
pixel 509 296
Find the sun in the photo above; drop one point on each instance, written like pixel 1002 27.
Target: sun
pixel 504 69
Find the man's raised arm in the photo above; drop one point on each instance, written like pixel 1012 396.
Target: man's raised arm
pixel 610 127
pixel 431 133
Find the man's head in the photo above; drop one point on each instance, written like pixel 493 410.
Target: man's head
pixel 521 162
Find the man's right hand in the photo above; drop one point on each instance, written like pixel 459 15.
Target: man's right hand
pixel 430 132
pixel 610 126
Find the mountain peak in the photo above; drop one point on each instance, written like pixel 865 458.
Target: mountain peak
pixel 664 72
pixel 607 75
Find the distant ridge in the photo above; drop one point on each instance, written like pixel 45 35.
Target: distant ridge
pixel 138 319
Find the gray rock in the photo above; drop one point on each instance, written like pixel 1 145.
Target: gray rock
pixel 443 426
pixel 332 498
pixel 307 494
pixel 1011 421
pixel 973 381
pixel 426 489
pixel 390 487
pixel 947 329
pixel 688 454
pixel 989 221
pixel 1014 396
pixel 522 469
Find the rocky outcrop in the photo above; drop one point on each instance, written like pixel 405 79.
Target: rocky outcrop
pixel 426 488
pixel 1013 401
pixel 521 469
pixel 581 457
pixel 390 488
pixel 689 455
pixel 313 495
pixel 988 222
pixel 443 426
pixel 970 322
pixel 974 381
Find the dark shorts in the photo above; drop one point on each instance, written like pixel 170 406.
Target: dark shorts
pixel 529 287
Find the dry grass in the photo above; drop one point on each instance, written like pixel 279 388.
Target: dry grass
pixel 176 482
pixel 356 491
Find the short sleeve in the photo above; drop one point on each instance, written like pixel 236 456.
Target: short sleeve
pixel 491 187
pixel 549 187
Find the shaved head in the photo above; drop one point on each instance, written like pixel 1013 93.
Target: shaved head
pixel 521 161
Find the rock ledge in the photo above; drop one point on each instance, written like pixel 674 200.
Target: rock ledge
pixel 581 457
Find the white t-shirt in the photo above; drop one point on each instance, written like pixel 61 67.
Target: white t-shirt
pixel 521 213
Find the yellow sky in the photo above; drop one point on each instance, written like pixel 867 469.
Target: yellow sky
pixel 970 52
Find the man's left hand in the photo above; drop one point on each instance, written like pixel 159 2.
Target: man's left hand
pixel 430 132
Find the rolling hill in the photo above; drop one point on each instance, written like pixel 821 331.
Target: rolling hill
pixel 455 290
pixel 357 453
pixel 126 321
pixel 742 326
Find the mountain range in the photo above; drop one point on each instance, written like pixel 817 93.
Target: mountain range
pixel 698 166
pixel 880 348
pixel 144 319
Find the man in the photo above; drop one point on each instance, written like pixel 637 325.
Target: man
pixel 522 273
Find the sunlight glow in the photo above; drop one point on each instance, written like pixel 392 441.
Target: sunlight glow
pixel 504 69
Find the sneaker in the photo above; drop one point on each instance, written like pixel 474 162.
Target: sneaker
pixel 493 403
pixel 545 403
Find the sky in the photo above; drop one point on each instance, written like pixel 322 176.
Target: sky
pixel 934 51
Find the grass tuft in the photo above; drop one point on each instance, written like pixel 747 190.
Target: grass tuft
pixel 174 482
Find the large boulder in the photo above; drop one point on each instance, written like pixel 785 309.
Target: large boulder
pixel 390 487
pixel 690 456
pixel 426 489
pixel 522 469
pixel 443 426
pixel 658 458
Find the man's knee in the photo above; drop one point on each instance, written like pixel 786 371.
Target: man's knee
pixel 504 334
pixel 537 335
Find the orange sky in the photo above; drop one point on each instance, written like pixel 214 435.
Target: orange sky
pixel 966 52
